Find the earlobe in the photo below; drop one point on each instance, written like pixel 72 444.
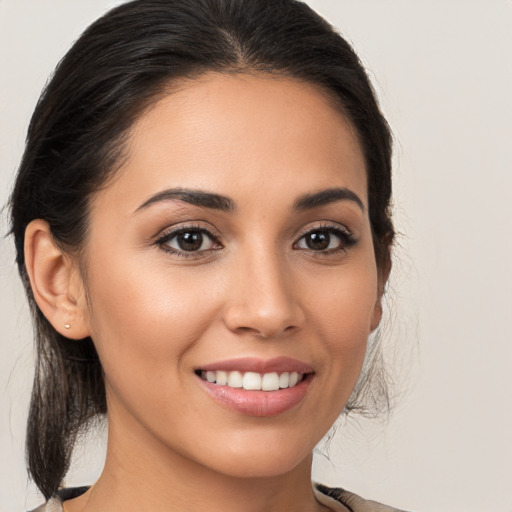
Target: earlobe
pixel 55 282
pixel 377 315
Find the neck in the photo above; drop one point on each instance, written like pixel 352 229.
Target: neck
pixel 141 474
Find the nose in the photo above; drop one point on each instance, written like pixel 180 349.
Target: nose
pixel 263 298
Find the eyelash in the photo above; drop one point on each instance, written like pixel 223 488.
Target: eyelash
pixel 347 239
pixel 166 237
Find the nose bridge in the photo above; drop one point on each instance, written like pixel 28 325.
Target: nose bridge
pixel 263 296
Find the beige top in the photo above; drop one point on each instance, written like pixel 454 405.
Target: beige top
pixel 336 499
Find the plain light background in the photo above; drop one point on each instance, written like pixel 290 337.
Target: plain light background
pixel 443 72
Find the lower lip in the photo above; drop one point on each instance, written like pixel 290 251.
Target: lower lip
pixel 258 403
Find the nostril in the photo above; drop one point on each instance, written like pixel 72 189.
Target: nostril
pixel 267 332
pixel 256 314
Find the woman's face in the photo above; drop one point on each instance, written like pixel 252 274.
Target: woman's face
pixel 233 249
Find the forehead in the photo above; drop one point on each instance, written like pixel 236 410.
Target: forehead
pixel 241 134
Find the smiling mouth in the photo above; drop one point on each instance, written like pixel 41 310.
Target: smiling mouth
pixel 252 381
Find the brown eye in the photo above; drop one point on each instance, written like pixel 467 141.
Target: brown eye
pixel 326 240
pixel 318 241
pixel 188 240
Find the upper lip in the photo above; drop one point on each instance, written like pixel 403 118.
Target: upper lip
pixel 251 364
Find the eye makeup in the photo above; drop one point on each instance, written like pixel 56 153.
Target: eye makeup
pixel 194 240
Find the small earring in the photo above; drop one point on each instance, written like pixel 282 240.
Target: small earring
pixel 68 326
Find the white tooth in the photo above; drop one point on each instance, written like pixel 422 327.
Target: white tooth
pixel 235 379
pixel 210 376
pixel 252 381
pixel 270 382
pixel 284 380
pixel 294 377
pixel 221 378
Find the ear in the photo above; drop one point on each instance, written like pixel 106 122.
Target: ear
pixel 383 276
pixel 56 282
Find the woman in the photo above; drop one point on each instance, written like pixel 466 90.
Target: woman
pixel 202 223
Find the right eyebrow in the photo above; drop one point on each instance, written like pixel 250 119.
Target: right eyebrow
pixel 192 196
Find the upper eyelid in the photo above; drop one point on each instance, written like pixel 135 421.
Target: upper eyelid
pixel 326 225
pixel 176 230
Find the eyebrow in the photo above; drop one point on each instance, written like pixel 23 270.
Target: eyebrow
pixel 226 204
pixel 327 196
pixel 192 196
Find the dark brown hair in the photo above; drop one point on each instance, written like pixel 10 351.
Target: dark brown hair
pixel 121 64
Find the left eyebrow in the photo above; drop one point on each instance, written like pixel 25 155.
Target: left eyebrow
pixel 327 196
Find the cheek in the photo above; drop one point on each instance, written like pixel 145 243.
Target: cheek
pixel 144 320
pixel 345 314
pixel 343 319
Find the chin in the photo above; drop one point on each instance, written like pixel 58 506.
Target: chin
pixel 259 460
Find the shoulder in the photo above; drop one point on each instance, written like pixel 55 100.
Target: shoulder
pixel 55 503
pixel 351 501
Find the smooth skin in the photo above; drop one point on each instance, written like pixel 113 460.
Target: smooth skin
pixel 257 283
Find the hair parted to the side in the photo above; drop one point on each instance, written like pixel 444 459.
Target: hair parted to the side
pixel 121 64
